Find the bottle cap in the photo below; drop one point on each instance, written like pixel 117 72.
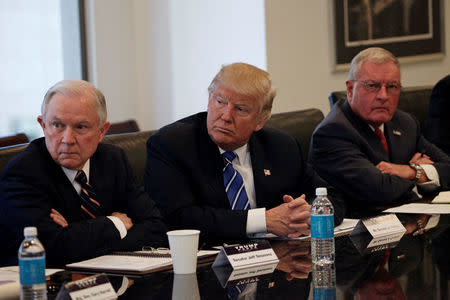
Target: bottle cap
pixel 30 231
pixel 321 191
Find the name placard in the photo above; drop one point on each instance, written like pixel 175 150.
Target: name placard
pixel 95 287
pixel 378 233
pixel 383 225
pixel 246 255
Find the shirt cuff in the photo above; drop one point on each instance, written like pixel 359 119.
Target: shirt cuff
pixel 119 226
pixel 432 175
pixel 432 221
pixel 256 220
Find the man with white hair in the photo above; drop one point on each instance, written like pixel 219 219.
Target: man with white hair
pixel 372 152
pixel 81 194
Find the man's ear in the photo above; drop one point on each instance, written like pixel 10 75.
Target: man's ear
pixel 262 122
pixel 103 129
pixel 350 85
pixel 41 122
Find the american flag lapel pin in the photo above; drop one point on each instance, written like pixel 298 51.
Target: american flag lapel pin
pixel 266 172
pixel 396 132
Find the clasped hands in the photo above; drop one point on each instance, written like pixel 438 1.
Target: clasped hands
pixel 290 219
pixel 405 171
pixel 61 221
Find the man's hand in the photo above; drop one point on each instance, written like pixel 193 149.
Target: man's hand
pixel 295 258
pixel 420 158
pixel 124 218
pixel 58 218
pixel 291 219
pixel 403 171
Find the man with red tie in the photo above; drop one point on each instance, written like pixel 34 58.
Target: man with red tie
pixel 81 194
pixel 372 152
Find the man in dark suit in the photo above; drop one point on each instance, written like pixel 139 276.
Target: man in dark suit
pixel 188 164
pixel 437 125
pixel 43 186
pixel 372 152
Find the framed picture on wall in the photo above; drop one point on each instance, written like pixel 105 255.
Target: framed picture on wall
pixel 411 29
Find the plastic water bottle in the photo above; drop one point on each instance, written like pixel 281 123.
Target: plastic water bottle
pixel 32 266
pixel 322 246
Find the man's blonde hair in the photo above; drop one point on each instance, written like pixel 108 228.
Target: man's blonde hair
pixel 246 80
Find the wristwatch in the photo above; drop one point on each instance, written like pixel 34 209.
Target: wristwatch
pixel 419 170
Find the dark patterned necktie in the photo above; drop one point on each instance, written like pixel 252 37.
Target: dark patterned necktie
pixel 90 208
pixel 234 184
pixel 382 138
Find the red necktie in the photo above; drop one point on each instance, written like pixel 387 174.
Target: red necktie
pixel 382 139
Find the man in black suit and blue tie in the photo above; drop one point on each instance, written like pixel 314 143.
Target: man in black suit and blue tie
pixel 81 194
pixel 221 172
pixel 372 152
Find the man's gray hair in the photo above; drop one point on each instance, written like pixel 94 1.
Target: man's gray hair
pixel 375 55
pixel 74 87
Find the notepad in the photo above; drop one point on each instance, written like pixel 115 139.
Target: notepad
pixel 137 263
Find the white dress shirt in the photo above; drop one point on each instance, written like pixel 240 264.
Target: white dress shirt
pixel 71 176
pixel 256 218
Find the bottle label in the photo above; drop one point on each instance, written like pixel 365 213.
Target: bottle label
pixel 32 270
pixel 322 226
pixel 324 294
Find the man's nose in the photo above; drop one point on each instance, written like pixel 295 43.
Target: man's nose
pixel 382 93
pixel 68 136
pixel 227 113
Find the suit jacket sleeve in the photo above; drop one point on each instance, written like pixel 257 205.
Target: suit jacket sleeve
pixel 148 227
pixel 342 157
pixel 185 194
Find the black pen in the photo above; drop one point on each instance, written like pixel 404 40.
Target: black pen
pixel 422 152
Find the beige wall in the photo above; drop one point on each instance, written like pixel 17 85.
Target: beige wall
pixel 300 50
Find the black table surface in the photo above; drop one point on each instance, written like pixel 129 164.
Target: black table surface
pixel 416 268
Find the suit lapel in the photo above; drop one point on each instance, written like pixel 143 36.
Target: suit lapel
pixel 366 132
pixel 262 167
pixel 211 162
pixel 68 200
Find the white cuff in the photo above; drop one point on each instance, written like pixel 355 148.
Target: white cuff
pixel 432 175
pixel 432 221
pixel 256 220
pixel 119 226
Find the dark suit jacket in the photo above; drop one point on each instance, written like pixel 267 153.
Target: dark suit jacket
pixel 437 125
pixel 345 150
pixel 184 175
pixel 32 184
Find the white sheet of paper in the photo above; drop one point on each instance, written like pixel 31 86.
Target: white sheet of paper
pixel 421 208
pixel 443 197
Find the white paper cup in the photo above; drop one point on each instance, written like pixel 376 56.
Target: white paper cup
pixel 185 287
pixel 183 248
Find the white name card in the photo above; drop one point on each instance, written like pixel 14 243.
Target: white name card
pixel 383 225
pixel 380 226
pixel 246 255
pixel 95 287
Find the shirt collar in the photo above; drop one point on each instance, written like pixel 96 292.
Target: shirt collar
pixel 381 127
pixel 240 152
pixel 72 173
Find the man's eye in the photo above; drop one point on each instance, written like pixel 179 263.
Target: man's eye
pixel 373 85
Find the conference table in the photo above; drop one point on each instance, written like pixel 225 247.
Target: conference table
pixel 417 267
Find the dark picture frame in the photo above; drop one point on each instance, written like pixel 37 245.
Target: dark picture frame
pixel 411 29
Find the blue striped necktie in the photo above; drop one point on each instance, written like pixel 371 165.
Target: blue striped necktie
pixel 90 208
pixel 234 184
